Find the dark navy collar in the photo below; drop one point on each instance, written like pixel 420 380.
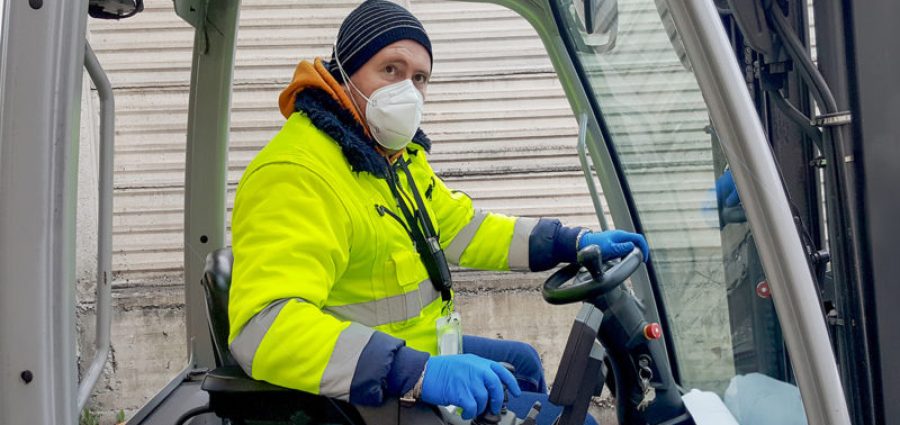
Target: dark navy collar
pixel 338 123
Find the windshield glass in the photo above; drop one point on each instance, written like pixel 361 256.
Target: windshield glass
pixel 713 287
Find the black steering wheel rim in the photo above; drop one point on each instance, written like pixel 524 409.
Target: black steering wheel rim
pixel 592 287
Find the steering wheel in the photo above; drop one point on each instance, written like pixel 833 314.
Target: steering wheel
pixel 598 279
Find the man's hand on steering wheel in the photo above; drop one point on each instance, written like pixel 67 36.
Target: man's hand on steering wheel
pixel 615 243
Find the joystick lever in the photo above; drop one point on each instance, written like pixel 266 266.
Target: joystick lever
pixel 488 418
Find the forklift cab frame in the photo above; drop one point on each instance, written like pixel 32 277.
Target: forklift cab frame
pixel 37 193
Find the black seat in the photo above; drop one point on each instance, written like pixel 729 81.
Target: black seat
pixel 234 395
pixel 216 284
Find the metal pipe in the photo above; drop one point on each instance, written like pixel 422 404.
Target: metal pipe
pixel 104 238
pixel 768 212
pixel 588 174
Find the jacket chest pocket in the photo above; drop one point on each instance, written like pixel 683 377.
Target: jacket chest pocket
pixel 408 290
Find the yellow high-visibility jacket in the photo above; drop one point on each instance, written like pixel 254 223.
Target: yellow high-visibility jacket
pixel 328 293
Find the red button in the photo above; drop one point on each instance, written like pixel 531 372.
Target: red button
pixel 653 331
pixel 763 291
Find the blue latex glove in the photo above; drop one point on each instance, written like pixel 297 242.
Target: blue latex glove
pixel 615 243
pixel 467 381
pixel 726 192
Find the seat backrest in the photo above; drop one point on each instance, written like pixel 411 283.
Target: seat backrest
pixel 216 283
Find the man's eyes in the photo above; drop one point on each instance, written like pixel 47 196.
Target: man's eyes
pixel 418 78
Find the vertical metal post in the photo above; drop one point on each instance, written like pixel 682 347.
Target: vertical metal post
pixel 41 59
pixel 844 215
pixel 765 201
pixel 103 292
pixel 207 161
pixel 874 59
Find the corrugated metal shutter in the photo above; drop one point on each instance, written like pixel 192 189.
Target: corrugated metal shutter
pixel 503 130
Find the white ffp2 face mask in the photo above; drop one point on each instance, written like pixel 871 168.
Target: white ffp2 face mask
pixel 393 113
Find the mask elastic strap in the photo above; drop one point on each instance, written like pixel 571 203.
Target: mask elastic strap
pixel 350 82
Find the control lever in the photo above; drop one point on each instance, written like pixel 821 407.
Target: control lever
pixel 488 418
pixel 531 417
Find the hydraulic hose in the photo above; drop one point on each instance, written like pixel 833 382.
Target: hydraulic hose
pixel 797 116
pixel 808 69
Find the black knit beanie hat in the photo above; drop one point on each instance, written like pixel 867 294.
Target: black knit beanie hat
pixel 372 26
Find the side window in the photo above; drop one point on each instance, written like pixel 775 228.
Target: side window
pixel 720 312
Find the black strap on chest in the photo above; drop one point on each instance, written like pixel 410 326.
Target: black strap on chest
pixel 421 231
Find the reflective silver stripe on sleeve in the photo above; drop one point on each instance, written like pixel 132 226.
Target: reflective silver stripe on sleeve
pixel 387 310
pixel 245 344
pixel 518 248
pixel 339 373
pixel 462 239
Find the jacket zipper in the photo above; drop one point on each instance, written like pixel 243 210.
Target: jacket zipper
pixel 382 211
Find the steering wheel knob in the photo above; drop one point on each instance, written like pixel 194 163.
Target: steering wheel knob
pixel 591 258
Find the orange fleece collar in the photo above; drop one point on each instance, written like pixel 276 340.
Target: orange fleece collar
pixel 314 75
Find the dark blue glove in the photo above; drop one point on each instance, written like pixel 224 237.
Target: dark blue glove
pixel 467 381
pixel 615 243
pixel 726 192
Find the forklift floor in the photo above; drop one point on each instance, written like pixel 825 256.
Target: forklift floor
pixel 181 395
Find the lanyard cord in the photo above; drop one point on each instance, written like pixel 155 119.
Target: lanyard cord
pixel 424 218
pixel 422 232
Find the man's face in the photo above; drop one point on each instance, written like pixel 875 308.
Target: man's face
pixel 402 60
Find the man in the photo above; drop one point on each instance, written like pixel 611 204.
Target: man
pixel 341 230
